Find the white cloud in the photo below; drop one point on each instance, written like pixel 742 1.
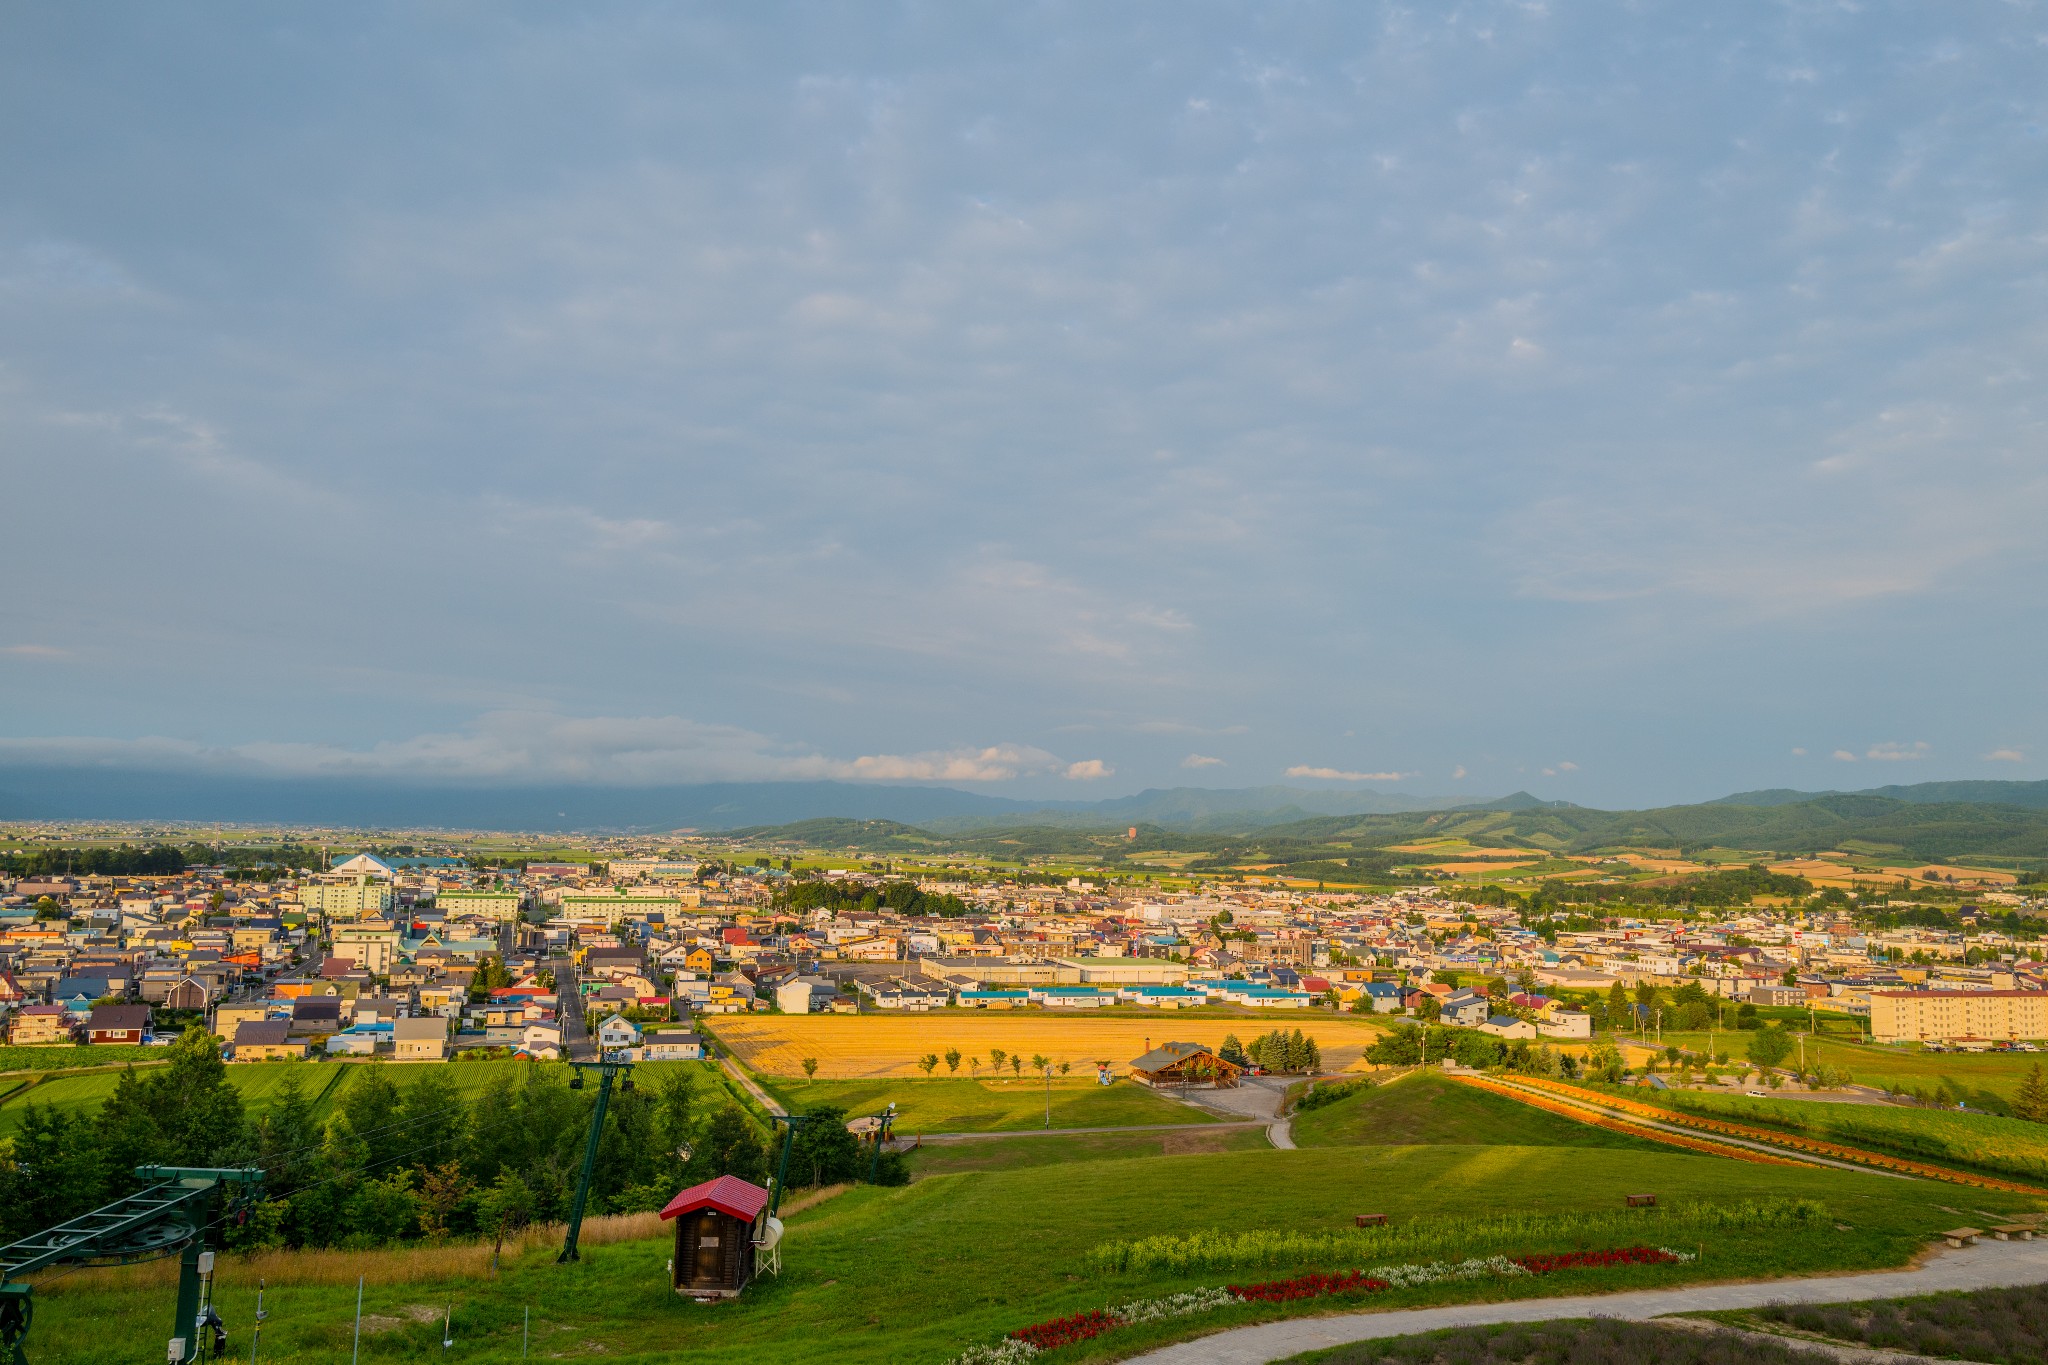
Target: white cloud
pixel 1339 775
pixel 532 746
pixel 1201 761
pixel 35 652
pixel 1892 752
pixel 1550 772
pixel 1844 756
pixel 1799 753
pixel 1567 767
pixel 2005 756
pixel 1458 773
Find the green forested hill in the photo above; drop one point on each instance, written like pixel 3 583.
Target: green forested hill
pixel 1353 847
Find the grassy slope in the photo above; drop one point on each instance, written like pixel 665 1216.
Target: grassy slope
pixel 2012 1147
pixel 1881 1064
pixel 1429 1109
pixel 1005 1154
pixel 916 1274
pixel 956 1106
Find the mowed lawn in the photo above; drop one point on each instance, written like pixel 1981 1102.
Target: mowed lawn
pixel 919 1273
pixel 849 1046
pixel 1426 1108
pixel 957 1106
pixel 1013 1153
pixel 323 1082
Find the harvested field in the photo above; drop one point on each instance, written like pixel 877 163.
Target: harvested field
pixel 869 1045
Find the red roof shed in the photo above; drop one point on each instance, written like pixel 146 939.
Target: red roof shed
pixel 730 1195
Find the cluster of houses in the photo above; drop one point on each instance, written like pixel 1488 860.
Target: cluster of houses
pixel 386 957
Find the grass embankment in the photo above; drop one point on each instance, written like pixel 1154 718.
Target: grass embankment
pixel 1991 1324
pixel 867 1046
pixel 326 1083
pixel 1571 1342
pixel 1984 1142
pixel 956 1106
pixel 919 1273
pixel 1426 1108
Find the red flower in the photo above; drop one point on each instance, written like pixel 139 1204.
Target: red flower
pixel 1308 1287
pixel 1066 1331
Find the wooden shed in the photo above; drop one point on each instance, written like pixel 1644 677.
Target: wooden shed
pixel 1183 1065
pixel 718 1224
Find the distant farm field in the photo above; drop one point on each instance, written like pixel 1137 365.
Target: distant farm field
pixel 859 1046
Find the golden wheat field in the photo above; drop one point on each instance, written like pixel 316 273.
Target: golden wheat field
pixel 868 1045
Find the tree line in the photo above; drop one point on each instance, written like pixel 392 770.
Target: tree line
pixel 839 897
pixel 391 1165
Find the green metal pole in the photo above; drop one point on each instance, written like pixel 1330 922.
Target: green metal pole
pixel 186 1325
pixel 604 1094
pixel 782 1168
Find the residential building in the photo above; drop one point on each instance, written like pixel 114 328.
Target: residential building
pixel 419 1040
pixel 1958 1016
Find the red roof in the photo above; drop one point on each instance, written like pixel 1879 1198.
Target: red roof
pixel 741 1199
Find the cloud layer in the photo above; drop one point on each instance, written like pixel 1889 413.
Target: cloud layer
pixel 524 746
pixel 1419 388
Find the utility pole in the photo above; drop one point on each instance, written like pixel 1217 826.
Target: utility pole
pixel 606 1071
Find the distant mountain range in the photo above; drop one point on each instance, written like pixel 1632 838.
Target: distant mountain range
pixel 108 794
pixel 2031 795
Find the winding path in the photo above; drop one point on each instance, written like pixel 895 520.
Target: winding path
pixel 1989 1265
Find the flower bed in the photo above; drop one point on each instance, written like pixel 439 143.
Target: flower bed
pixel 1026 1342
pixel 1307 1287
pixel 1600 1260
pixel 1046 1336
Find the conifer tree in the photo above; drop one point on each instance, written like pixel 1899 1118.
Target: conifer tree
pixel 2031 1101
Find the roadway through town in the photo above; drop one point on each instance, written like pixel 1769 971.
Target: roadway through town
pixel 1989 1265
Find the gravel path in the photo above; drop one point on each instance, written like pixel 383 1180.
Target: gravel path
pixel 1988 1265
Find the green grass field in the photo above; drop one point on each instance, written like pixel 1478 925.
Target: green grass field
pixel 2009 1147
pixel 917 1274
pixel 1014 1153
pixel 963 1106
pixel 1880 1064
pixel 1426 1108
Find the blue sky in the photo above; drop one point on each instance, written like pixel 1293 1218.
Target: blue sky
pixel 1631 403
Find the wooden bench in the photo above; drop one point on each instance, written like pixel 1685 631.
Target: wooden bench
pixel 1372 1220
pixel 1962 1237
pixel 2013 1232
pixel 1641 1201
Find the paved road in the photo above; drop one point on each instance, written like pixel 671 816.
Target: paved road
pixel 1989 1265
pixel 746 1082
pixel 577 1044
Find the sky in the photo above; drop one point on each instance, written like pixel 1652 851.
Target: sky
pixel 1627 403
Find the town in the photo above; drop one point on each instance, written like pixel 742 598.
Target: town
pixel 425 958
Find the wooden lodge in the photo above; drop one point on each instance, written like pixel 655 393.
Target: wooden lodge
pixel 721 1227
pixel 1185 1064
